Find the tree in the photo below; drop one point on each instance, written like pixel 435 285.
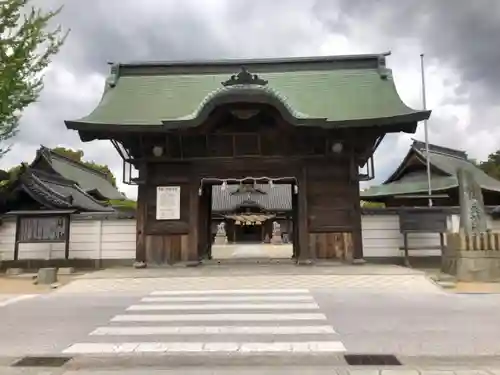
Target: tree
pixel 77 155
pixel 26 48
pixel 491 166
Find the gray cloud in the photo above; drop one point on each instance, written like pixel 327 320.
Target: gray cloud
pixel 455 34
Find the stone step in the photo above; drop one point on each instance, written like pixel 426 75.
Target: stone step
pixel 215 262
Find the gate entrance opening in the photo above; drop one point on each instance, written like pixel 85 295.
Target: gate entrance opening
pixel 250 217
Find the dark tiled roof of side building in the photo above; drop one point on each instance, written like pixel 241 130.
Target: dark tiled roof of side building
pixel 55 192
pixel 445 163
pixel 88 179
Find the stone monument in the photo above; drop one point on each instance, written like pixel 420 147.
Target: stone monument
pixel 221 236
pixel 471 254
pixel 276 238
pixel 472 212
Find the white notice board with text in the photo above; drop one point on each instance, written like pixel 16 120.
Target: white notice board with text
pixel 168 203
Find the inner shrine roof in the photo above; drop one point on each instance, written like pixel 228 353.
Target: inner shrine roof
pixel 329 91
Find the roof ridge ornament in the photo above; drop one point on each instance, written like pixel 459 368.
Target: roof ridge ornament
pixel 244 77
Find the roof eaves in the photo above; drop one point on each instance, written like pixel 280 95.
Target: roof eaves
pixel 95 201
pixel 303 59
pixel 449 183
pixel 399 169
pixel 42 193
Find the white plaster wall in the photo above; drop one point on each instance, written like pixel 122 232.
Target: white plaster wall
pixel 116 239
pixel 7 240
pixel 89 239
pixel 381 238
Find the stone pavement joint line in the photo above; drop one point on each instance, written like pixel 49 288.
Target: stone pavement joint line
pixel 314 338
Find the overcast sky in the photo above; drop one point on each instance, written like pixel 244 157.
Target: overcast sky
pixel 460 39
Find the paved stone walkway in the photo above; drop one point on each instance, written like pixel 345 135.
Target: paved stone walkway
pixel 252 251
pixel 394 283
pixel 251 269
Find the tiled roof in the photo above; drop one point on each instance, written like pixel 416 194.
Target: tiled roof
pixel 323 91
pixel 87 178
pixel 277 197
pixel 56 193
pixel 445 163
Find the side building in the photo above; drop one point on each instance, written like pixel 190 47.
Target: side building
pixel 55 182
pixel 409 180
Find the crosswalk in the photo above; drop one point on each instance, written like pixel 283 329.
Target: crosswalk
pixel 242 321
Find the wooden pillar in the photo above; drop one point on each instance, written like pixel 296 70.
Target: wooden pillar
pixel 295 222
pixel 67 229
pixel 357 237
pixel 141 217
pixel 203 222
pixel 191 252
pixel 303 218
pixel 208 228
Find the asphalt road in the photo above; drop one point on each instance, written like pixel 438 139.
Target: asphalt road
pixel 409 324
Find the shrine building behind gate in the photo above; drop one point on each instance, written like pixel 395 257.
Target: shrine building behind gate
pixel 311 123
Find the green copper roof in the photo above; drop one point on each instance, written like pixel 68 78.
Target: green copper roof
pixel 444 162
pixel 331 91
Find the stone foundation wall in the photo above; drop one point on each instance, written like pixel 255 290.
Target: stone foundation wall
pixel 472 258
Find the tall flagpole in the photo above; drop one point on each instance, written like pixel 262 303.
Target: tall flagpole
pixel 428 162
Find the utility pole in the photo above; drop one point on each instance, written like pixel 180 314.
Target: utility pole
pixel 426 130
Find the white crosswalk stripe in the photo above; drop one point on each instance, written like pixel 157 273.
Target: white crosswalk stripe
pixel 248 321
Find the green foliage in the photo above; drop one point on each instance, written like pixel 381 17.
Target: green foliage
pixel 26 48
pixel 491 166
pixel 127 204
pixel 366 204
pixel 77 155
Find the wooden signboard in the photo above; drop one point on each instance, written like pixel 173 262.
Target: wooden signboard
pixel 43 229
pixel 422 221
pixel 168 203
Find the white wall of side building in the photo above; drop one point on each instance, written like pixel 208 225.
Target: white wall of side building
pixel 89 239
pixel 115 238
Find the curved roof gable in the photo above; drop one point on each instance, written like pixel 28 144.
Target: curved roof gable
pixel 321 91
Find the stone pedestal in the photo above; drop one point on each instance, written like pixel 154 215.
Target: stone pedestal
pixel 47 276
pixel 276 239
pixel 220 239
pixel 140 265
pixel 477 265
pixel 473 257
